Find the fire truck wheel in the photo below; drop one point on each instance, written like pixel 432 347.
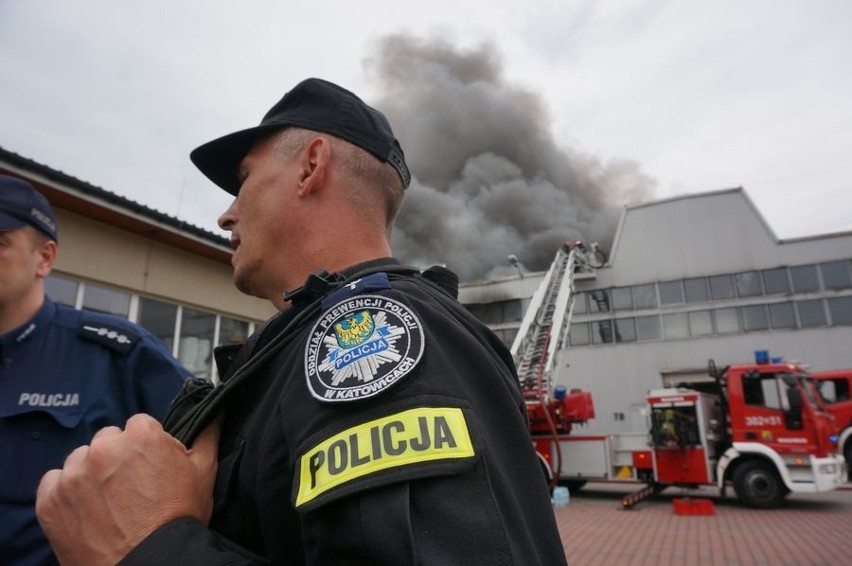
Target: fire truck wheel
pixel 757 485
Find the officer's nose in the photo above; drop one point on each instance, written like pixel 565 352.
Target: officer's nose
pixel 229 217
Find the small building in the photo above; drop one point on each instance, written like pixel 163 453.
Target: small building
pixel 689 279
pixel 120 257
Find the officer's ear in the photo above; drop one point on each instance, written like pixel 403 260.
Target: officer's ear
pixel 314 163
pixel 46 251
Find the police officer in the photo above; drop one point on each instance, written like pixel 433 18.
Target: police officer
pixel 64 373
pixel 372 421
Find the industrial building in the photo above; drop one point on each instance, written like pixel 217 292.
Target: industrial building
pixel 120 257
pixel 688 279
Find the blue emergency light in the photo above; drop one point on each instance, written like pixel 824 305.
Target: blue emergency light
pixel 761 356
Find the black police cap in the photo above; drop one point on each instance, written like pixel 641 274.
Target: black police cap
pixel 313 104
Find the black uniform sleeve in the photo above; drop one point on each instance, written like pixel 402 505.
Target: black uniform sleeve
pixel 186 542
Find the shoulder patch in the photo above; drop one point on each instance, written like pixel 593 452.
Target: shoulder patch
pixel 360 347
pixel 116 338
pixel 415 443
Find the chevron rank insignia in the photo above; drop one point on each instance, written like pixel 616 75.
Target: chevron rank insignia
pixel 360 347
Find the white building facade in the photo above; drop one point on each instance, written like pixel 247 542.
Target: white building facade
pixel 689 279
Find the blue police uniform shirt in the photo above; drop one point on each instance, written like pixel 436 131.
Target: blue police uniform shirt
pixel 64 375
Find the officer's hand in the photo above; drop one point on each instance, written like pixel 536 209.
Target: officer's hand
pixel 112 494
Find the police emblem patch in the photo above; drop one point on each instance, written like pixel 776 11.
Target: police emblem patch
pixel 360 347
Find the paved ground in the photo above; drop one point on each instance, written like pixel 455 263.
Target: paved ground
pixel 813 529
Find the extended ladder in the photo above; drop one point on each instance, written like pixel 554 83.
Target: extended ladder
pixel 545 327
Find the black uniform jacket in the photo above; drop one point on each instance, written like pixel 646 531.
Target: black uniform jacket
pixel 387 429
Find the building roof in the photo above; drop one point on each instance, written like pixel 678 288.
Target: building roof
pixel 69 193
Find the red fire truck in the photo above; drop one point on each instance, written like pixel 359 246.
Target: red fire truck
pixel 836 388
pixel 760 428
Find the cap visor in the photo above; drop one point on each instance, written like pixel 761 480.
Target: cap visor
pixel 220 159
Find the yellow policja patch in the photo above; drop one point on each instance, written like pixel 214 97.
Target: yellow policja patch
pixel 417 435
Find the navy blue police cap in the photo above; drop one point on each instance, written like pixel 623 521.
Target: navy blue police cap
pixel 313 104
pixel 22 205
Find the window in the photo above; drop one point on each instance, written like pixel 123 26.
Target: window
pixel 762 391
pixel 700 323
pixel 625 330
pixel 60 290
pixel 581 305
pixel 754 318
pixel 101 299
pixel 781 315
pixel 621 299
pixel 696 290
pixel 811 313
pixel 512 311
pixel 727 320
pixel 648 327
pixel 804 278
pixel 602 332
pixel 644 296
pixel 840 309
pixel 834 390
pixel 159 319
pixel 671 292
pixel 721 287
pixel 599 301
pixel 835 275
pixel 748 284
pixel 676 325
pixel 195 350
pixel 578 334
pixel 776 281
pixel 232 331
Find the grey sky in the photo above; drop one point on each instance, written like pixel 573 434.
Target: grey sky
pixel 662 97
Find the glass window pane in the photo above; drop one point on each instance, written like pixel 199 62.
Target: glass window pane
pixel 645 296
pixel 648 327
pixel 754 318
pixel 676 325
pixel 159 319
pixel 727 320
pixel 101 299
pixel 721 287
pixel 602 332
pixel 195 350
pixel 700 323
pixel 508 336
pixel 776 281
pixel 835 275
pixel 781 315
pixel 841 310
pixel 232 331
pixel 804 278
pixel 748 284
pixel 599 301
pixel 696 290
pixel 625 330
pixel 579 334
pixel 671 292
pixel 811 313
pixel 61 290
pixel 581 305
pixel 512 311
pixel 621 299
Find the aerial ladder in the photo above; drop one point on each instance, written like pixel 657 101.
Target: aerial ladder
pixel 543 332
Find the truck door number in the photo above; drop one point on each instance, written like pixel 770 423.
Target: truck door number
pixel 754 420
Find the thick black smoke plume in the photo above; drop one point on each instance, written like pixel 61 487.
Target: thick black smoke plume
pixel 489 179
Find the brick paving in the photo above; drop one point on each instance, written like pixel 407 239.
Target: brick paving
pixel 810 529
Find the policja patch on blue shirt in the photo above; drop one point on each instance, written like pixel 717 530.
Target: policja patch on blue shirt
pixel 362 345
